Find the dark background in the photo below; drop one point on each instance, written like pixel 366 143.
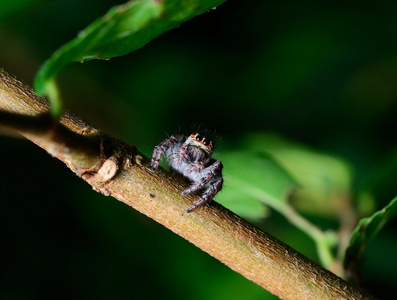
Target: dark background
pixel 321 73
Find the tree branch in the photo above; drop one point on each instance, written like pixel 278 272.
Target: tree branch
pixel 119 170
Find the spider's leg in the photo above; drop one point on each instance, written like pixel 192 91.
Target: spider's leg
pixel 207 196
pixel 215 169
pixel 183 151
pixel 161 148
pixel 200 165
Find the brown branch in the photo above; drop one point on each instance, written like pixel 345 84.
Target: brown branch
pixel 117 169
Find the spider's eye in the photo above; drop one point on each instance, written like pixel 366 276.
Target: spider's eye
pixel 199 138
pixel 208 142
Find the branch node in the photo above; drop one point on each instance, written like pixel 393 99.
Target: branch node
pixel 108 170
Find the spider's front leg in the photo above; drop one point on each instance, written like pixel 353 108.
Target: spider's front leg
pixel 214 179
pixel 214 169
pixel 209 194
pixel 199 167
pixel 161 148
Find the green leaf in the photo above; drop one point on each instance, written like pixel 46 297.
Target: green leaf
pixel 241 202
pixel 325 180
pixel 366 230
pixel 252 179
pixel 124 28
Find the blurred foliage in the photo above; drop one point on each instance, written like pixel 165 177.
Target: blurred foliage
pixel 250 178
pixel 324 180
pixel 366 230
pixel 124 28
pixel 259 76
pixel 7 10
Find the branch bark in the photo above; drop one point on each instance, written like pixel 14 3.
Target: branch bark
pixel 119 170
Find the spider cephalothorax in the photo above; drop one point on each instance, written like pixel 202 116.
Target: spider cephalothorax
pixel 191 157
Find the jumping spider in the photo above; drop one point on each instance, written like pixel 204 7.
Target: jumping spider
pixel 191 157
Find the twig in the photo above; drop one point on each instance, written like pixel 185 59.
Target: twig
pixel 119 170
pixel 319 237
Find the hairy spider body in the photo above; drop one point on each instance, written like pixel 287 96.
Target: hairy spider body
pixel 191 157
